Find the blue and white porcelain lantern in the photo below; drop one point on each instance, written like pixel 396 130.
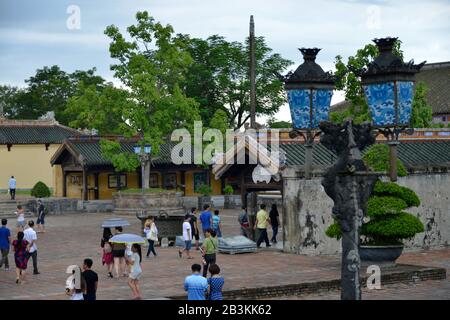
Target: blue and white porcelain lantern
pixel 388 85
pixel 309 91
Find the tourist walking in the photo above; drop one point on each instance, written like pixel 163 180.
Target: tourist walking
pixel 215 283
pixel 151 233
pixel 5 244
pixel 107 258
pixel 206 218
pixel 31 237
pixel 91 279
pixel 135 262
pixel 196 285
pixel 187 237
pixel 209 249
pixel 118 251
pixel 20 213
pixel 72 291
pixel 262 221
pixel 12 187
pixel 217 224
pixel 41 217
pixel 20 256
pixel 194 227
pixel 275 222
pixel 243 221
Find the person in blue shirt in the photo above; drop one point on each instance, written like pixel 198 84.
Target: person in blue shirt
pixel 206 218
pixel 5 244
pixel 196 285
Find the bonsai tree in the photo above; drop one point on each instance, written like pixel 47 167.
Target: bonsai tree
pixel 228 190
pixel 388 223
pixel 40 190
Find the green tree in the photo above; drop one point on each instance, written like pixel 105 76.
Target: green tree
pixel 49 90
pixel 151 65
pixel 219 121
pixel 422 114
pixel 275 124
pixel 8 100
pixel 219 78
pixel 348 81
pixel 101 109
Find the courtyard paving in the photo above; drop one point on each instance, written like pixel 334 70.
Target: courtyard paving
pixel 72 237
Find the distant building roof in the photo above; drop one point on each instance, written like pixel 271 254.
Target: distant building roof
pixel 436 77
pixel 87 149
pixel 33 132
pixel 413 154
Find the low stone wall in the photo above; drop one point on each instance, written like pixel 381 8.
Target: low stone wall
pixel 307 213
pixel 66 205
pixel 216 202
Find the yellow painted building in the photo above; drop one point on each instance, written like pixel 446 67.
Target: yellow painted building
pixel 26 147
pixel 84 173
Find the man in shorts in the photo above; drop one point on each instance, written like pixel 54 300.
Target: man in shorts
pixel 187 237
pixel 41 217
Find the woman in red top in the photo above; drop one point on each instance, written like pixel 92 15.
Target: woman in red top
pixel 20 256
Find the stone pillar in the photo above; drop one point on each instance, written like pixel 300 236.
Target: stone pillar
pixel 291 210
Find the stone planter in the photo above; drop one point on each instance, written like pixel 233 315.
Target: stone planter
pixel 165 207
pixel 380 255
pixel 202 201
pixel 229 202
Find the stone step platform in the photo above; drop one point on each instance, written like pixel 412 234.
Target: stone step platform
pixel 9 207
pixel 401 273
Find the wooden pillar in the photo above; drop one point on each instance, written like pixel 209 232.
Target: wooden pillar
pixel 64 184
pixel 183 181
pixel 96 190
pixel 243 191
pixel 85 184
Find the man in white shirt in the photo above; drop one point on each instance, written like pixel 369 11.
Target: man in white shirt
pixel 31 236
pixel 12 187
pixel 187 237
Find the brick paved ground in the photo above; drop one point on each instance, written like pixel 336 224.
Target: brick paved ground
pixel 70 238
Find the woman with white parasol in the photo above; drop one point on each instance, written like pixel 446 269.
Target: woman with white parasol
pixel 134 260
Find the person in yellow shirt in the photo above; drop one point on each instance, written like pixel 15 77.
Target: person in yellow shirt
pixel 262 221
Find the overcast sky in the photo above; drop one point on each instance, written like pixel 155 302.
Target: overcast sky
pixel 35 33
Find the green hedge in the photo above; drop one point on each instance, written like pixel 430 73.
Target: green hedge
pixel 401 226
pixel 40 190
pixel 388 222
pixel 394 190
pixel 384 205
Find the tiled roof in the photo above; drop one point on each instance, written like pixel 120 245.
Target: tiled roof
pixel 437 79
pixel 413 154
pixel 90 149
pixel 340 106
pixel 33 132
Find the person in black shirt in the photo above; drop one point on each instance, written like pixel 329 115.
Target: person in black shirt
pixel 194 227
pixel 275 222
pixel 41 217
pixel 91 279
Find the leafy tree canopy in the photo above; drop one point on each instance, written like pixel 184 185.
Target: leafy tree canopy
pixel 218 78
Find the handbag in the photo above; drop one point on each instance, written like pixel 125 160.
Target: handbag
pixel 107 248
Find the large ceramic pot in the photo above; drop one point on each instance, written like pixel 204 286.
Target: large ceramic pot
pixel 384 255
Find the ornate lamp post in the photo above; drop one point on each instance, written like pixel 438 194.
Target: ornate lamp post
pixel 144 158
pixel 388 85
pixel 309 91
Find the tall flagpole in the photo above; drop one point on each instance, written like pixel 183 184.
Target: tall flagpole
pixel 252 75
